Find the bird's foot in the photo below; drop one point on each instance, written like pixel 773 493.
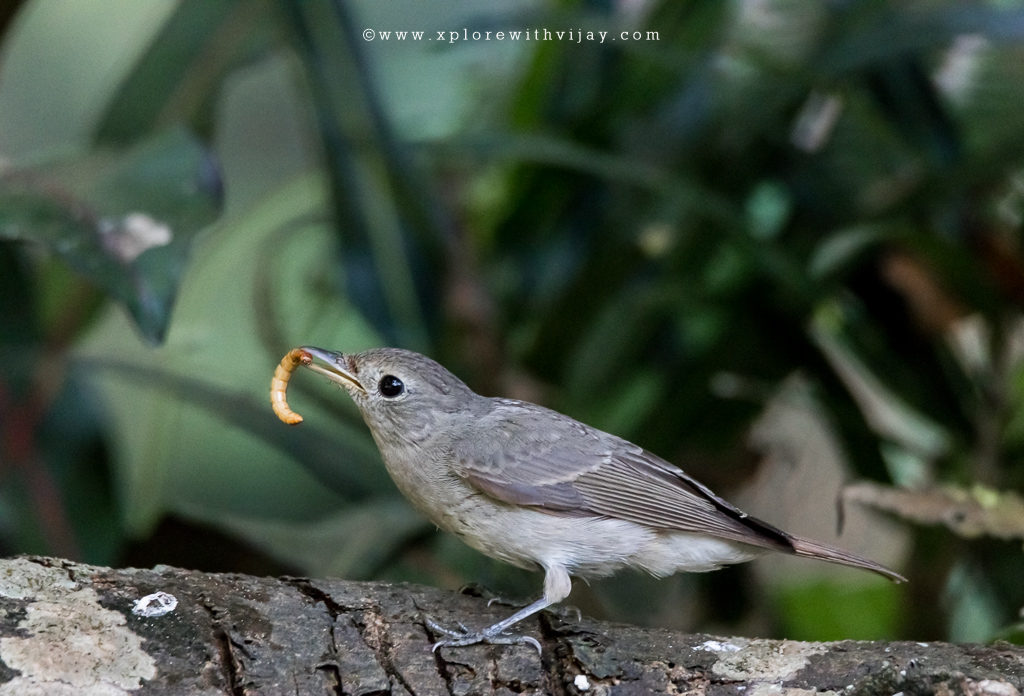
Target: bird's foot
pixel 457 638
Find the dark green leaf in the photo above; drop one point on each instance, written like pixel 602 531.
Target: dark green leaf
pixel 126 220
pixel 178 78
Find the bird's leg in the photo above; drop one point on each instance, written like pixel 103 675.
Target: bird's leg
pixel 556 588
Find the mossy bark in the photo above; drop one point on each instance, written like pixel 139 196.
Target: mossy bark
pixel 70 628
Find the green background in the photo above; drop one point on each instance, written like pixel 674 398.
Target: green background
pixel 776 242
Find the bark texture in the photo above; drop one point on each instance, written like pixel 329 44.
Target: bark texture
pixel 67 628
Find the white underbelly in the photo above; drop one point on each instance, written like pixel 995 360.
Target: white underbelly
pixel 586 546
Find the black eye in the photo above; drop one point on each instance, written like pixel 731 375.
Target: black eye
pixel 390 386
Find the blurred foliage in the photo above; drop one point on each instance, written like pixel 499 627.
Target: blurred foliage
pixel 651 235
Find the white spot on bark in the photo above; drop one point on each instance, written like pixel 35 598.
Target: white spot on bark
pixel 156 604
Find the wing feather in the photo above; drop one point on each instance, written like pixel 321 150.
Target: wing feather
pixel 572 469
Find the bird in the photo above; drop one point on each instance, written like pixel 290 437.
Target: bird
pixel 537 489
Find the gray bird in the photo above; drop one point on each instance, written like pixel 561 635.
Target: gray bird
pixel 537 489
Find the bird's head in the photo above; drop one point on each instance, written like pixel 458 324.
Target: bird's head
pixel 401 394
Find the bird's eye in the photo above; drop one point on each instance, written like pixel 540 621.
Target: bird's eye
pixel 390 386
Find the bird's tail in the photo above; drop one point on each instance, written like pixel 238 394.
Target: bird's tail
pixel 826 552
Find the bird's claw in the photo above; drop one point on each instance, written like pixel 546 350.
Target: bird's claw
pixel 433 625
pixel 462 637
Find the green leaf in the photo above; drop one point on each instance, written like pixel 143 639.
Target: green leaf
pixel 391 229
pixel 179 76
pixel 125 220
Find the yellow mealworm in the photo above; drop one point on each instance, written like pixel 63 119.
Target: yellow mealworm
pixel 279 384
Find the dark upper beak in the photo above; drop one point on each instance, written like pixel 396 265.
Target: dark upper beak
pixel 336 368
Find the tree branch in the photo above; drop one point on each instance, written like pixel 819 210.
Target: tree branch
pixel 68 628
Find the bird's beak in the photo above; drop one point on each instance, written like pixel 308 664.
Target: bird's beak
pixel 337 369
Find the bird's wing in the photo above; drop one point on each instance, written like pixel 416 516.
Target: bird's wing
pixel 571 469
pixel 641 487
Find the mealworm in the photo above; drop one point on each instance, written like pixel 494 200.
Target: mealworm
pixel 279 384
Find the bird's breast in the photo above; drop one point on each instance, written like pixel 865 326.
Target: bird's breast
pixel 425 478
